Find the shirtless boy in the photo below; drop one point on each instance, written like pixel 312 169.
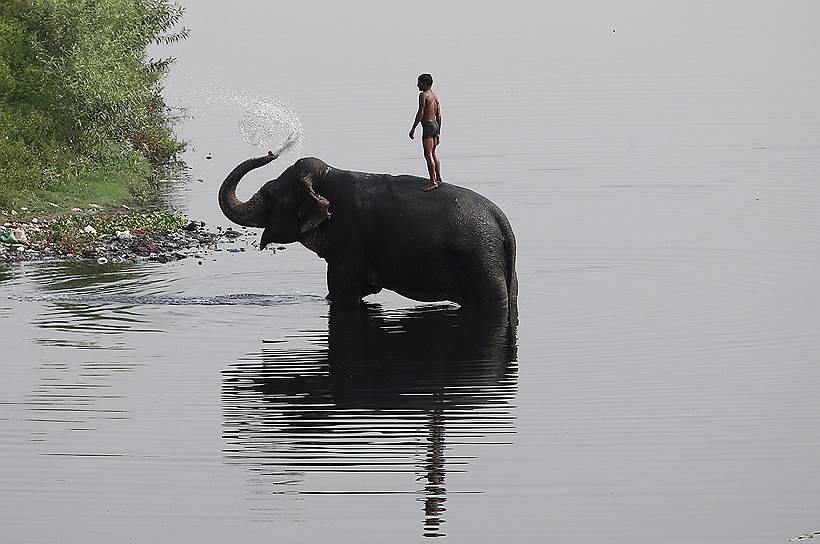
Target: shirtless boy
pixel 429 115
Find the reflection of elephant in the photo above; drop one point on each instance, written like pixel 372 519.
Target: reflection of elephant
pixel 380 231
pixel 382 392
pixel 378 360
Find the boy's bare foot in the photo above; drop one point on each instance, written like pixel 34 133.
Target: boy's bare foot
pixel 430 186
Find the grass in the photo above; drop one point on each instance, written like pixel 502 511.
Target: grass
pixel 114 185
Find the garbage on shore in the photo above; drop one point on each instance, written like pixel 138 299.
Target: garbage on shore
pixel 113 238
pixel 7 236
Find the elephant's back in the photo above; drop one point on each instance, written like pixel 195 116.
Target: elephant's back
pixel 395 208
pixel 448 196
pixel 391 204
pixel 405 188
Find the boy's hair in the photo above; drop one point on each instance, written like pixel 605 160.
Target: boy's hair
pixel 427 79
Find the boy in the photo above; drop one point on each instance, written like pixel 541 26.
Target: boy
pixel 429 115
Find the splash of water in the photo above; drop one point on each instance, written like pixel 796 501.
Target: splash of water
pixel 262 121
pixel 266 121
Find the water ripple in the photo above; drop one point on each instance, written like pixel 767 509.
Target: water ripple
pixel 240 299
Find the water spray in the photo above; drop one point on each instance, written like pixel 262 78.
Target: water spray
pixel 263 121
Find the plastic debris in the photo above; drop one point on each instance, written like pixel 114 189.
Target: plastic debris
pixel 112 244
pixel 6 236
pixel 20 236
pixel 102 260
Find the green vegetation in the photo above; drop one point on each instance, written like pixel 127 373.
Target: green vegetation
pixel 82 118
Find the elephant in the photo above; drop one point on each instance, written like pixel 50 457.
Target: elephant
pixel 380 231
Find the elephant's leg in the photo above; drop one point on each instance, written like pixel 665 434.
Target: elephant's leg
pixel 369 289
pixel 486 295
pixel 483 283
pixel 371 283
pixel 344 283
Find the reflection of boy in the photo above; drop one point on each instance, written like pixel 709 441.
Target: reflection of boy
pixel 429 115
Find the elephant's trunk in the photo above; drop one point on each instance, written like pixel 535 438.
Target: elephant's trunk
pixel 253 212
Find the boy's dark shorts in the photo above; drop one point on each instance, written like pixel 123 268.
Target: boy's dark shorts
pixel 429 129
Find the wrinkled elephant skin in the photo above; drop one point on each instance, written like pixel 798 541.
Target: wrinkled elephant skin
pixel 380 231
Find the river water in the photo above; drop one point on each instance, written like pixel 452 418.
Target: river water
pixel 658 162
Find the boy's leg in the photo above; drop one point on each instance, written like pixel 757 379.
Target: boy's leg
pixel 435 159
pixel 427 144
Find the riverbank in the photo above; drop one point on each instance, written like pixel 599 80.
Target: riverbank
pixel 113 235
pixel 82 114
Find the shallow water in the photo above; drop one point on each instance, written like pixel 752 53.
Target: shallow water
pixel 662 385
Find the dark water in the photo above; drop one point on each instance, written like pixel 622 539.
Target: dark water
pixel 122 403
pixel 663 383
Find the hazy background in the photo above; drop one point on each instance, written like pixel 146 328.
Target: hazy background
pixel 658 162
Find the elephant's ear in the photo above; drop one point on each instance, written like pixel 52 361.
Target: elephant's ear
pixel 314 208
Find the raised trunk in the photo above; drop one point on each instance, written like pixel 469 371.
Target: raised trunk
pixel 252 213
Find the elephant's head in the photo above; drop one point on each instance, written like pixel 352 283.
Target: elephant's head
pixel 288 208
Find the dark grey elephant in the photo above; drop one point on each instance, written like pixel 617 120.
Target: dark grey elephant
pixel 380 231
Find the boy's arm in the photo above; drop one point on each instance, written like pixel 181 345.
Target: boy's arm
pixel 422 100
pixel 438 122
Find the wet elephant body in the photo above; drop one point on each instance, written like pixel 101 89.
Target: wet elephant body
pixel 380 231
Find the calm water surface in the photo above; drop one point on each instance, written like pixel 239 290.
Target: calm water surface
pixel 659 166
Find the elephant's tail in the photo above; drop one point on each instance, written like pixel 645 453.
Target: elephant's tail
pixel 511 276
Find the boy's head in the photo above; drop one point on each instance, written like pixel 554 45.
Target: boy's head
pixel 425 81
